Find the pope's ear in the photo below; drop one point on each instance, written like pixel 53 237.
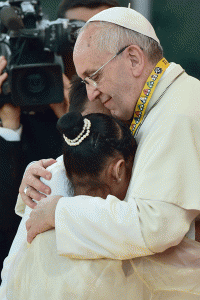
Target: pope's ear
pixel 118 170
pixel 137 59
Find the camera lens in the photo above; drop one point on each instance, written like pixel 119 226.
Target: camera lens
pixel 38 84
pixel 32 84
pixel 35 83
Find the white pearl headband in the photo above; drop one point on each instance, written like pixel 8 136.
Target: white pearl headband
pixel 81 136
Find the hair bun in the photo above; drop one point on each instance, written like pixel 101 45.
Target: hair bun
pixel 70 124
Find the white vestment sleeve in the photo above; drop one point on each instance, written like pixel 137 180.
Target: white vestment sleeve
pixel 91 228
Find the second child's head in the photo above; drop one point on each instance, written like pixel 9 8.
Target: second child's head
pixel 79 101
pixel 98 154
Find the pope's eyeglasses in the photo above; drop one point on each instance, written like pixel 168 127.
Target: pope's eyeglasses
pixel 88 80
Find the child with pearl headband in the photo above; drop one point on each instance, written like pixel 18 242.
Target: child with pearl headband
pixel 98 153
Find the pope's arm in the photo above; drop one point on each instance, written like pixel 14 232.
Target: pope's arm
pixel 93 228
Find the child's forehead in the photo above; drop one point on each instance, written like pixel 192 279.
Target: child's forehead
pixel 95 107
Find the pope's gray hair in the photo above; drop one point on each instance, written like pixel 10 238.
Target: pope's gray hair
pixel 112 38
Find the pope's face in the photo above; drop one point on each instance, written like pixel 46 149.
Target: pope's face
pixel 116 87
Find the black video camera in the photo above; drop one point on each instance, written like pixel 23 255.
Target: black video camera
pixel 29 45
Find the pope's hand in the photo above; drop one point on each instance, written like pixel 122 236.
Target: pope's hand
pixel 42 217
pixel 32 180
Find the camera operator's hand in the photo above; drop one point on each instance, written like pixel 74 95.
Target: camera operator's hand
pixel 9 115
pixel 3 77
pixel 31 180
pixel 62 108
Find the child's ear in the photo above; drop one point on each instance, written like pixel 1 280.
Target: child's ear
pixel 118 170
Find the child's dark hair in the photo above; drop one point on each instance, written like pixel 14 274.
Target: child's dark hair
pixel 77 95
pixel 70 4
pixel 107 137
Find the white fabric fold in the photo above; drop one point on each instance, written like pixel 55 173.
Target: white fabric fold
pixel 11 135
